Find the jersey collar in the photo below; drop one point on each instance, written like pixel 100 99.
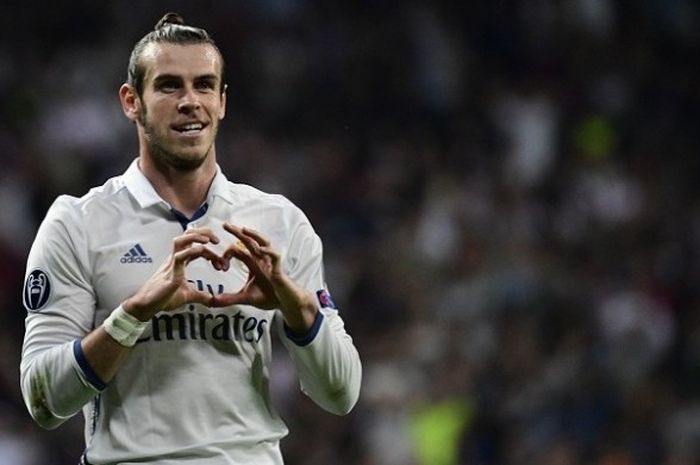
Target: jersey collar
pixel 221 187
pixel 142 190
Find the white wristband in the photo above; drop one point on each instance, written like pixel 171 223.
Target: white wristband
pixel 124 328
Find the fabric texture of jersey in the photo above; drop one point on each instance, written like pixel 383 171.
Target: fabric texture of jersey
pixel 194 389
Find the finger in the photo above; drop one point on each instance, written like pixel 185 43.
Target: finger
pixel 259 238
pixel 187 239
pixel 204 232
pixel 247 241
pixel 199 297
pixel 217 261
pixel 184 241
pixel 230 298
pixel 244 255
pixel 232 228
pixel 275 257
pixel 239 253
pixel 183 257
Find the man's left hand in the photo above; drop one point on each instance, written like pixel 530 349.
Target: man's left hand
pixel 268 286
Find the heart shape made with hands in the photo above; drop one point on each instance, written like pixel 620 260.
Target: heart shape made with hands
pixel 266 286
pixel 255 255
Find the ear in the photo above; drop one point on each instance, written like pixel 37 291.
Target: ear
pixel 131 103
pixel 222 111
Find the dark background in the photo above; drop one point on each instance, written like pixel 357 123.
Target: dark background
pixel 507 192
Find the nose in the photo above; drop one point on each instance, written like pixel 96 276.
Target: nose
pixel 189 102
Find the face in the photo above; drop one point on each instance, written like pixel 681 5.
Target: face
pixel 182 103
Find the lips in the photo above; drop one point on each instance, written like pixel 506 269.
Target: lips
pixel 189 128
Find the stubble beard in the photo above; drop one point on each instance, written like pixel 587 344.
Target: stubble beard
pixel 166 157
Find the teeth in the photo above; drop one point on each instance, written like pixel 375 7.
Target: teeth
pixel 191 127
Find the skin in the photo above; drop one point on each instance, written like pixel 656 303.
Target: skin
pixel 183 85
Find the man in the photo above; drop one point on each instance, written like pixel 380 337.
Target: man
pixel 151 299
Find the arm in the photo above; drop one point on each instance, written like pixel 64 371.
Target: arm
pixel 327 362
pixel 329 367
pixel 65 363
pixel 166 290
pixel 60 305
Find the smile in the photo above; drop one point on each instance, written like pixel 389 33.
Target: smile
pixel 190 129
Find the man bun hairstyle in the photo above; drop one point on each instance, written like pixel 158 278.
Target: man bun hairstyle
pixel 172 29
pixel 169 18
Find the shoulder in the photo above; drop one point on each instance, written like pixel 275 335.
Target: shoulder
pixel 267 204
pixel 276 216
pixel 96 199
pixel 248 193
pixel 72 211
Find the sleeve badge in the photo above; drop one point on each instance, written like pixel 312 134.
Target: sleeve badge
pixel 325 299
pixel 37 290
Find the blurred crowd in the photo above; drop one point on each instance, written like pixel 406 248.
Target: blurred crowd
pixel 506 190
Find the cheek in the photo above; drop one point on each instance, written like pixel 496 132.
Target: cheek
pixel 217 107
pixel 141 115
pixel 154 114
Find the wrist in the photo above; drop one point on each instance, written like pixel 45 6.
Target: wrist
pixel 301 316
pixel 137 311
pixel 123 327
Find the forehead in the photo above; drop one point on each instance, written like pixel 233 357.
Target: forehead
pixel 187 61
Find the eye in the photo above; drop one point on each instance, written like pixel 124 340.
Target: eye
pixel 168 86
pixel 206 85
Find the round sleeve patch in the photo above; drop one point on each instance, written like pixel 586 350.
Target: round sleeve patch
pixel 325 299
pixel 37 290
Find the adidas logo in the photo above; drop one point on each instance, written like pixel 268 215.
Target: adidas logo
pixel 136 255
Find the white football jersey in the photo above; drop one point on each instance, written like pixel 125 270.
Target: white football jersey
pixel 194 389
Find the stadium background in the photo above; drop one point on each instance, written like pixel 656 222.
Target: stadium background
pixel 507 191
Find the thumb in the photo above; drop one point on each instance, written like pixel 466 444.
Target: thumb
pixel 200 297
pixel 230 298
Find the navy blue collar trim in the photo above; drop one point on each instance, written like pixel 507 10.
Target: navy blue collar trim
pixel 184 221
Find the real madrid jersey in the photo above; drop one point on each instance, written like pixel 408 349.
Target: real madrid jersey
pixel 194 389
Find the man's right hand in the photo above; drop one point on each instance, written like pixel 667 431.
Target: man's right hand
pixel 168 288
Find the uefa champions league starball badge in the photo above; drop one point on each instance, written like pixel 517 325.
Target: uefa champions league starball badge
pixel 37 290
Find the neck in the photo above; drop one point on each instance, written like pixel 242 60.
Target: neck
pixel 185 191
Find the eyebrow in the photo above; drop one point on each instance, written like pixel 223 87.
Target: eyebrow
pixel 168 77
pixel 207 77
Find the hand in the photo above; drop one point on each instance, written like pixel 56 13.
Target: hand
pixel 267 286
pixel 168 288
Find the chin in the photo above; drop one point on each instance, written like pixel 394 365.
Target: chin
pixel 188 163
pixel 183 160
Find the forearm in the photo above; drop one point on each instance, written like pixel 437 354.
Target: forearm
pixel 58 378
pixel 106 348
pixel 104 354
pixel 298 307
pixel 55 385
pixel 328 364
